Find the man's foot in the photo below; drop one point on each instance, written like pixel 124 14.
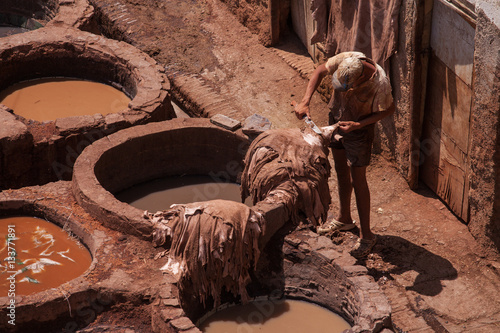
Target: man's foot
pixel 334 225
pixel 363 247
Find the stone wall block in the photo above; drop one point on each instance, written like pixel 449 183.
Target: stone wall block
pixel 484 194
pixel 16 146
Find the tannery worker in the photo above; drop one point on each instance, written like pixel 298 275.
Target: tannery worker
pixel 362 96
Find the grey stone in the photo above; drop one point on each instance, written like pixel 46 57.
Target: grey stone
pixel 255 125
pixel 225 122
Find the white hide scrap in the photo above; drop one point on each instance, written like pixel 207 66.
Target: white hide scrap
pixel 213 244
pixel 290 166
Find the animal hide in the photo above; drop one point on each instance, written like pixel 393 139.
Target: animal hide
pixel 291 166
pixel 213 245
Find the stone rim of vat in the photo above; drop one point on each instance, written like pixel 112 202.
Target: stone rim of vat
pixel 102 204
pixel 312 261
pixel 48 149
pixel 75 13
pixel 38 305
pixel 141 77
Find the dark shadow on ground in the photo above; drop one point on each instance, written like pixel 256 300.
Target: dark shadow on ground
pixel 290 42
pixel 400 256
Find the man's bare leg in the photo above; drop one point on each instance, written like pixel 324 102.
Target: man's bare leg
pixel 344 185
pixel 362 193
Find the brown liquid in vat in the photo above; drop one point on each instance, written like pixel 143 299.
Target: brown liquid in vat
pixel 290 316
pixel 52 98
pixel 160 194
pixel 46 256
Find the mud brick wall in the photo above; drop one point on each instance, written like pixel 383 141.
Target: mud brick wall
pixel 15 149
pixel 485 131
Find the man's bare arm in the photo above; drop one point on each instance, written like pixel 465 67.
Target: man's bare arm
pixel 302 108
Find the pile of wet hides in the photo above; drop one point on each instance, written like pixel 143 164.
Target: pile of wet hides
pixel 289 166
pixel 213 245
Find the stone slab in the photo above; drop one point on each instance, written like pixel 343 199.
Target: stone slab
pixel 225 122
pixel 10 127
pixel 255 125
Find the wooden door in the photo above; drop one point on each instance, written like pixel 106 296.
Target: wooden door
pixel 303 23
pixel 446 125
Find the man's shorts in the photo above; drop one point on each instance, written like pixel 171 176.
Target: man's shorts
pixel 357 144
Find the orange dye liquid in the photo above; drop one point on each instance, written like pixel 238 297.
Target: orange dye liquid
pixel 52 98
pixel 37 255
pixel 290 316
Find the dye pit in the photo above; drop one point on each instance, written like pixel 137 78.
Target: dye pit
pixel 40 255
pixel 44 149
pixel 52 98
pixel 274 316
pixel 160 194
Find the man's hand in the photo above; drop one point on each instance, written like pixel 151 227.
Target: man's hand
pixel 301 109
pixel 349 126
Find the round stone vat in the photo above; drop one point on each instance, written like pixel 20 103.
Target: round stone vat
pixel 113 295
pixel 301 265
pixel 39 152
pixel 21 312
pixel 160 194
pixel 143 153
pixel 30 15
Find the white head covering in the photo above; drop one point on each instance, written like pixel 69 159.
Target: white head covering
pixel 349 70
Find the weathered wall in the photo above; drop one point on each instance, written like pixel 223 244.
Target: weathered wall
pixel 394 135
pixel 484 192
